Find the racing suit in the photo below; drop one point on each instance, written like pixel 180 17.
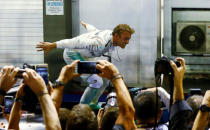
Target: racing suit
pixel 87 47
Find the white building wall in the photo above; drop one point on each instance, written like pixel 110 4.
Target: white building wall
pixel 138 58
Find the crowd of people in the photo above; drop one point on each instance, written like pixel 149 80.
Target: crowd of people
pixel 143 112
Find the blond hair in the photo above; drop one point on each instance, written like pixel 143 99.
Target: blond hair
pixel 121 28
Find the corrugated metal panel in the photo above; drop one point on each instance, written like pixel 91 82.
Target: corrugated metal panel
pixel 21 27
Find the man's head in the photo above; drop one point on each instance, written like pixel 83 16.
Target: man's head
pixel 145 106
pixel 81 117
pixel 63 115
pixel 122 34
pixel 194 102
pixel 109 118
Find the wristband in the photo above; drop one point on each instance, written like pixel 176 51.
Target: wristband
pixel 39 94
pixel 2 92
pixel 117 76
pixel 58 83
pixel 19 99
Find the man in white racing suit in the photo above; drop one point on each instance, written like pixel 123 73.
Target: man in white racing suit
pixel 86 47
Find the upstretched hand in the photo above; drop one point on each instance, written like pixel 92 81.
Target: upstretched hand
pixel 178 71
pixel 7 77
pixel 206 99
pixel 34 81
pixel 83 23
pixel 68 72
pixel 108 69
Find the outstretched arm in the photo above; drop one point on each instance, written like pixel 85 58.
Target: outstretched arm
pixel 201 119
pixel 90 28
pixel 67 73
pixel 126 108
pixel 74 43
pixel 37 85
pixel 16 110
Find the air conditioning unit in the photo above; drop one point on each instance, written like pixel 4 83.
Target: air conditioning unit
pixel 192 38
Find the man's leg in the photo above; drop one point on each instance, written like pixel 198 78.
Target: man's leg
pixel 88 95
pixel 93 91
pixel 100 91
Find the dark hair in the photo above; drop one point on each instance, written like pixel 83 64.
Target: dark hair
pixel 82 117
pixel 109 118
pixel 63 115
pixel 145 105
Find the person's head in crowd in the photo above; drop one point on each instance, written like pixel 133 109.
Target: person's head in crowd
pixel 122 34
pixel 107 117
pixel 81 117
pixel 145 106
pixel 63 115
pixel 194 101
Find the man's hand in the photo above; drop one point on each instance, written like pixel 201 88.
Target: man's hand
pixel 206 99
pixel 68 72
pixel 108 69
pixel 34 81
pixel 7 77
pixel 45 46
pixel 178 71
pixel 83 24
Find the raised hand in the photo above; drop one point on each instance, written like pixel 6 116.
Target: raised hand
pixel 68 72
pixel 108 69
pixel 178 71
pixel 7 77
pixel 83 23
pixel 34 81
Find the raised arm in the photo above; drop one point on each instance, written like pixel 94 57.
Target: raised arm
pixel 201 119
pixel 180 110
pixel 16 109
pixel 7 80
pixel 90 28
pixel 67 73
pixel 37 85
pixel 178 79
pixel 126 108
